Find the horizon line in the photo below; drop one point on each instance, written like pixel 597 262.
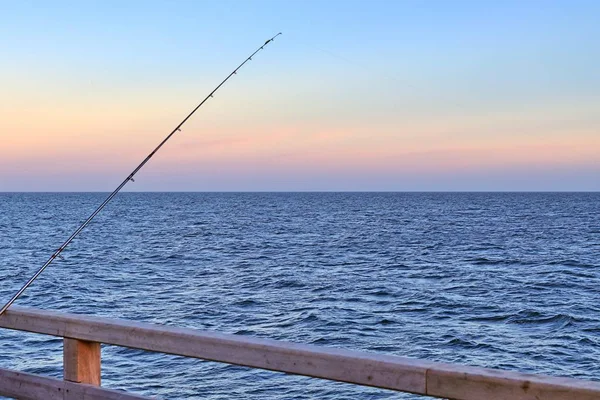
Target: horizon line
pixel 308 191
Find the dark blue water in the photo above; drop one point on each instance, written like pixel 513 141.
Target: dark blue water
pixel 496 280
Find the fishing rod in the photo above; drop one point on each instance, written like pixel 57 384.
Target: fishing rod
pixel 129 178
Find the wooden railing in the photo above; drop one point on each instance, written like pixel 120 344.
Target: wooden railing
pixel 83 335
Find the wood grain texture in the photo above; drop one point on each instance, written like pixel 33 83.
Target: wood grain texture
pixel 470 383
pixel 81 361
pixel 24 386
pixel 396 373
pixel 388 372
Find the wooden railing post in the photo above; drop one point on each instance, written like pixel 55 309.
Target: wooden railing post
pixel 81 361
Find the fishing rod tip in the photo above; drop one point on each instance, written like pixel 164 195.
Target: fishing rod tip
pixel 273 38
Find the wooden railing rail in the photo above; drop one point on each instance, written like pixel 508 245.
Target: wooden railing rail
pixel 24 386
pixel 361 368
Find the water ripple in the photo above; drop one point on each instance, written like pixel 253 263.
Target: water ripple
pixel 495 280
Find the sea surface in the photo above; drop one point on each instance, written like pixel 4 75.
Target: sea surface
pixel 501 280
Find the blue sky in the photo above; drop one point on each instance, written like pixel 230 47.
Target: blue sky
pixel 382 95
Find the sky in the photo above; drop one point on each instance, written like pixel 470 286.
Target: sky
pixel 353 96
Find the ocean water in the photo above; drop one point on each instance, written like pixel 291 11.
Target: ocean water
pixel 501 280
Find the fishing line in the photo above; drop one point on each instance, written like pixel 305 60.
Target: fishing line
pixel 127 180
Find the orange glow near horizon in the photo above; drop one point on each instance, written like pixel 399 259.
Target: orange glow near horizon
pixel 57 150
pixel 59 133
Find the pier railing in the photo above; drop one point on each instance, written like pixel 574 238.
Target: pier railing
pixel 82 361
